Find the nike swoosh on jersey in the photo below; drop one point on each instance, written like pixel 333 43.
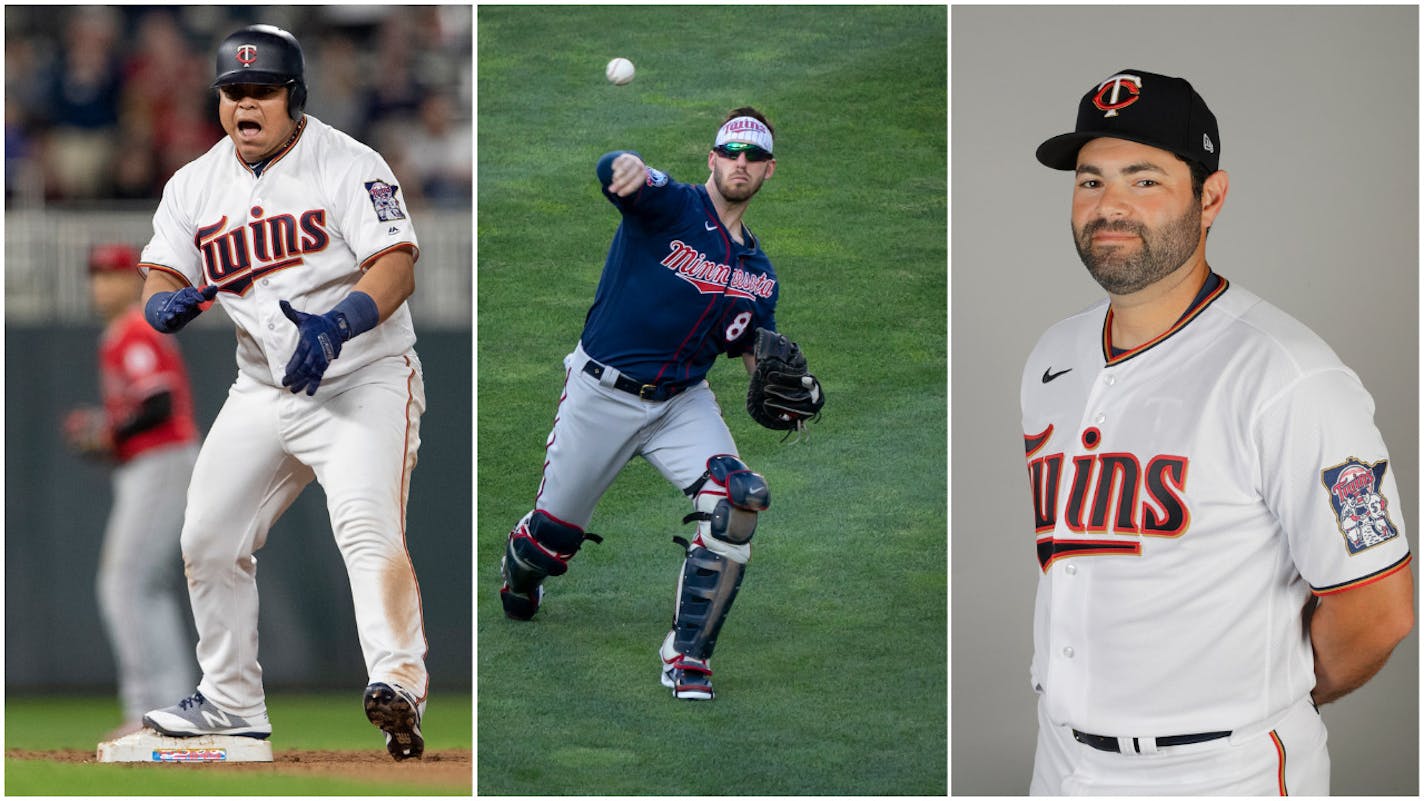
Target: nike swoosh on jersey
pixel 1049 375
pixel 710 226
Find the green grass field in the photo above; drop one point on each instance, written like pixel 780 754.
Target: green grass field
pixel 326 721
pixel 831 671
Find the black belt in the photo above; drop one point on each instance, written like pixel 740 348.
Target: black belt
pixel 1102 743
pixel 648 392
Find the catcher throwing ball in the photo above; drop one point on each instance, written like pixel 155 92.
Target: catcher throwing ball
pixel 298 230
pixel 1218 531
pixel 684 282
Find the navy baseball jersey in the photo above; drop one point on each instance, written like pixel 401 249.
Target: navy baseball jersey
pixel 676 289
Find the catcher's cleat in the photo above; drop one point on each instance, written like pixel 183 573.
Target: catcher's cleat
pixel 395 712
pixel 196 716
pixel 520 606
pixel 687 677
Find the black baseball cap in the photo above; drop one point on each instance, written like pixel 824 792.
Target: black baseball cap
pixel 1156 110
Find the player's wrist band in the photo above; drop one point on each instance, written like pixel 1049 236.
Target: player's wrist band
pixel 357 313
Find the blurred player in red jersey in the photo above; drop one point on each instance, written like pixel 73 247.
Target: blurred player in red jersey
pixel 146 427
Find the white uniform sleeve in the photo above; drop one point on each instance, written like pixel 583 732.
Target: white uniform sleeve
pixel 370 210
pixel 172 248
pixel 1326 474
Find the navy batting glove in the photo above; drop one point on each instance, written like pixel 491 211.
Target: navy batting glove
pixel 168 312
pixel 318 344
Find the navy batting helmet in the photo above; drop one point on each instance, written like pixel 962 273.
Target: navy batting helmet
pixel 265 55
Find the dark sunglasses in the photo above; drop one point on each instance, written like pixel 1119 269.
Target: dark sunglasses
pixel 237 91
pixel 733 149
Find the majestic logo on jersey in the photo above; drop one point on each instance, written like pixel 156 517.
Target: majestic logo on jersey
pixel 1107 492
pixel 1110 93
pixel 711 278
pixel 1361 512
pixel 247 55
pixel 383 198
pixel 234 258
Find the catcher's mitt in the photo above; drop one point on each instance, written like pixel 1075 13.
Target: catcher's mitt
pixel 782 394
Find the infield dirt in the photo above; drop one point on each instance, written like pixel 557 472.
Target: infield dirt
pixel 446 768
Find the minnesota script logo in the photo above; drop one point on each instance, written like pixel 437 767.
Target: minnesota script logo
pixel 711 278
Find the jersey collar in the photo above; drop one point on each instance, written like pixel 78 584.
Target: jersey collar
pixel 751 244
pixel 1214 287
pixel 261 166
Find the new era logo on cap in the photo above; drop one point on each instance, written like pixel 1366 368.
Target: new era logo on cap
pixel 1139 106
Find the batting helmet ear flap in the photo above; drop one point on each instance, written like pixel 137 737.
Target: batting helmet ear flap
pixel 296 98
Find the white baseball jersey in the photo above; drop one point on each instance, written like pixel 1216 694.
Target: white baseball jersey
pixel 1189 496
pixel 323 209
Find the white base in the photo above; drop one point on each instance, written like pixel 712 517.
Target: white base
pixel 147 745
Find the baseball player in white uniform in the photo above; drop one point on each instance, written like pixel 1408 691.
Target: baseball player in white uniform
pixel 299 232
pixel 1218 528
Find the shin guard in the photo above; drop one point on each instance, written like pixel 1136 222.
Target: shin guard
pixel 538 547
pixel 705 593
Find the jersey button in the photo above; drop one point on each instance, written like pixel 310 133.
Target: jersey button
pixel 1070 569
pixel 1109 379
pixel 1068 652
pixel 271 326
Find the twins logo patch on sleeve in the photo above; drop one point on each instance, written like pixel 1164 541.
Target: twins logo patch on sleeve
pixel 383 198
pixel 1361 511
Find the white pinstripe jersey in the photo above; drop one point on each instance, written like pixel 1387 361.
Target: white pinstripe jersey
pixel 1189 497
pixel 324 208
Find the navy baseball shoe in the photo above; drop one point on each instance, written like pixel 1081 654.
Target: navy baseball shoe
pixel 520 606
pixel 395 712
pixel 688 677
pixel 196 716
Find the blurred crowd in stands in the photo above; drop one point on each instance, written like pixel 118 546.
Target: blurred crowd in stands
pixel 104 103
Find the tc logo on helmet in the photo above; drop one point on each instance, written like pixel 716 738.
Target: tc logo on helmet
pixel 1114 101
pixel 247 55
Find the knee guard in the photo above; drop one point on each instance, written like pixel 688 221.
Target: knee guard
pixel 705 591
pixel 727 498
pixel 538 547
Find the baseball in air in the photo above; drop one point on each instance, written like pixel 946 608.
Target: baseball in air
pixel 619 71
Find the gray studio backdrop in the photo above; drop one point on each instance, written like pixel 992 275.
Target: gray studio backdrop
pixel 1318 110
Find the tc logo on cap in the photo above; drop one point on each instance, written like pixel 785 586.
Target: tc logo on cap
pixel 247 55
pixel 1112 101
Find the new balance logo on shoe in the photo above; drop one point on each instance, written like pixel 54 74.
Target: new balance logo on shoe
pixel 217 719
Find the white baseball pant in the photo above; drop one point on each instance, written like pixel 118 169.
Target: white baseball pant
pixel 1282 756
pixel 264 447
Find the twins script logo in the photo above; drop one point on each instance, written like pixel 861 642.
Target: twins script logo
pixel 1113 101
pixel 711 278
pixel 247 55
pixel 1118 493
pixel 234 258
pixel 1361 512
pixel 744 124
